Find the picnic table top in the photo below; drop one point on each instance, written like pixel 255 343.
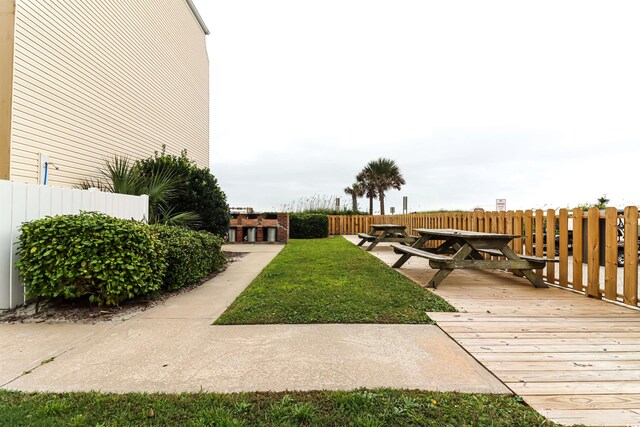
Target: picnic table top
pixel 388 226
pixel 448 232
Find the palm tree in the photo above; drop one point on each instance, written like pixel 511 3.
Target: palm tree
pixel 602 202
pixel 123 176
pixel 365 181
pixel 383 174
pixel 356 190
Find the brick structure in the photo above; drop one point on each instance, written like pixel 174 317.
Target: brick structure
pixel 261 222
pixel 283 228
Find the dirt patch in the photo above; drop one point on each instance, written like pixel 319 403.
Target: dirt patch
pixel 84 312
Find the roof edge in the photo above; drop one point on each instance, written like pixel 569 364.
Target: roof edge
pixel 196 14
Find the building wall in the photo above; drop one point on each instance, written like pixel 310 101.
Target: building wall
pixel 7 19
pixel 94 78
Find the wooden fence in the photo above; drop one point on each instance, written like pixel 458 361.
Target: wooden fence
pixel 26 202
pixel 589 265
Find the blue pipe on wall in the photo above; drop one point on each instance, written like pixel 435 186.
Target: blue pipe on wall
pixel 46 172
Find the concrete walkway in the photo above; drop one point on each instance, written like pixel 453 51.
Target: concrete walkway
pixel 174 348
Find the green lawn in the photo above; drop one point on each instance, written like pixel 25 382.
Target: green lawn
pixel 331 281
pixel 381 407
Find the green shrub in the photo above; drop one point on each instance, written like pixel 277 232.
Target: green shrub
pixel 191 255
pixel 199 192
pixel 308 226
pixel 348 212
pixel 93 255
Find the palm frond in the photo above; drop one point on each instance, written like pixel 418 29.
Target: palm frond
pixel 94 182
pixel 161 185
pixel 120 176
pixel 168 216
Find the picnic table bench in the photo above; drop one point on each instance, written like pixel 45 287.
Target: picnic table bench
pixel 464 249
pixel 386 233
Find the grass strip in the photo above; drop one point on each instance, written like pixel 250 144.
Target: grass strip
pixel 380 407
pixel 331 281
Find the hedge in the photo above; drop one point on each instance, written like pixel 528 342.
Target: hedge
pixel 308 226
pixel 92 255
pixel 191 255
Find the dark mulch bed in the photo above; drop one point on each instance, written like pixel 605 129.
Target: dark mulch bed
pixel 83 312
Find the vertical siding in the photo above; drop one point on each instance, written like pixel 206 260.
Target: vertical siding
pixel 94 78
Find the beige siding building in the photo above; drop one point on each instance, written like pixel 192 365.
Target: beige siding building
pixel 92 78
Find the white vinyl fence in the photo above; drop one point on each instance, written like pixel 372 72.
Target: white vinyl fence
pixel 21 202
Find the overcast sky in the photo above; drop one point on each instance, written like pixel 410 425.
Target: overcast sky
pixel 535 102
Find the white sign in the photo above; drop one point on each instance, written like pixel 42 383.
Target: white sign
pixel 501 205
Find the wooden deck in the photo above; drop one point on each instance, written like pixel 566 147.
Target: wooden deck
pixel 574 359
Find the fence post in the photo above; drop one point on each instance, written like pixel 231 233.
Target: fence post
pixel 593 253
pixel 578 256
pixel 611 255
pixel 18 216
pixel 551 244
pixel 631 255
pixel 6 249
pixel 528 232
pixel 502 222
pixel 517 230
pixel 539 227
pixel 563 225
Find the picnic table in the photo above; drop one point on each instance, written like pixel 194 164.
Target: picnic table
pixel 385 233
pixel 465 249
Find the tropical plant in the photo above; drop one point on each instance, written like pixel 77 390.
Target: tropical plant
pixel 356 190
pixel 121 175
pixel 382 174
pixel 367 183
pixel 602 202
pixel 118 176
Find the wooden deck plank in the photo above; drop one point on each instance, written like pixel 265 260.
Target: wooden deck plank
pixel 444 317
pixel 575 387
pixel 522 307
pixel 568 365
pixel 580 401
pixel 566 303
pixel 583 374
pixel 504 311
pixel 548 335
pixel 547 341
pixel 491 327
pixel 592 348
pixel 600 417
pixel 535 357
pixel 529 310
pixel 504 295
